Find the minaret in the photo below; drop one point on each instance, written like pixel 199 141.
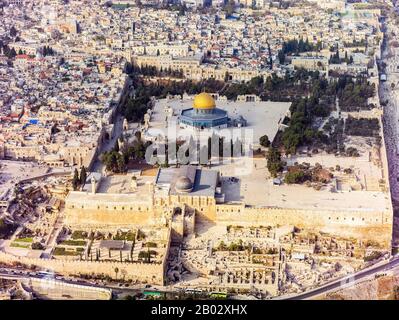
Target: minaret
pixel 125 125
pixel 133 184
pixel 147 118
pixel 93 185
pixel 151 190
pixel 120 144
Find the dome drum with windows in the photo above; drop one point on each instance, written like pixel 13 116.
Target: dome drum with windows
pixel 204 114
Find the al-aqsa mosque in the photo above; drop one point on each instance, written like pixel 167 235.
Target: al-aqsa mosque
pixel 203 114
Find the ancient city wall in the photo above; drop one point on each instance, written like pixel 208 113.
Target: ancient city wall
pixel 106 215
pixel 367 225
pixel 143 272
pixel 363 224
pixel 87 219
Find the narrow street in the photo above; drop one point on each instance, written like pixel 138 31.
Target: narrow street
pixel 109 144
pixel 117 132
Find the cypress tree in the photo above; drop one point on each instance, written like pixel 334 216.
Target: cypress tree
pixel 75 180
pixel 83 175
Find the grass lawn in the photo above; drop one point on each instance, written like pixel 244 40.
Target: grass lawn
pixel 27 240
pixel 73 243
pixel 20 245
pixel 78 234
pixel 62 252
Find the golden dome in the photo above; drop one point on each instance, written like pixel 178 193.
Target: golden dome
pixel 204 101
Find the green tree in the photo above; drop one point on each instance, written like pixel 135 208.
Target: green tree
pixel 116 146
pixel 291 141
pixel 75 179
pixel 121 165
pixel 37 246
pixel 114 161
pixel 274 163
pixel 264 141
pixel 83 176
pixel 294 177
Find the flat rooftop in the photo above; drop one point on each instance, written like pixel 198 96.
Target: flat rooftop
pixel 204 181
pixel 116 190
pixel 109 198
pixel 122 184
pixel 256 189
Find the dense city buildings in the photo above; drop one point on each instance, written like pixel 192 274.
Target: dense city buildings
pixel 204 149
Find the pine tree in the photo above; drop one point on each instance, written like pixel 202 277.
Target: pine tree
pixel 274 163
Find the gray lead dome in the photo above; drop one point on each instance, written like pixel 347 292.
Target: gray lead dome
pixel 183 184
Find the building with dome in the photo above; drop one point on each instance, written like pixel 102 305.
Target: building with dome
pixel 183 184
pixel 203 114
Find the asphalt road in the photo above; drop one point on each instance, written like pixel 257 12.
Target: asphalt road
pixel 346 281
pixel 335 285
pixel 22 274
